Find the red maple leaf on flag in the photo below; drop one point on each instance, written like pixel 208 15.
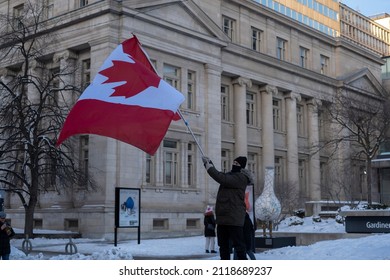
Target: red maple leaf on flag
pixel 136 76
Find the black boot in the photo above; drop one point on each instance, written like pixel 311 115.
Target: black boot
pixel 207 251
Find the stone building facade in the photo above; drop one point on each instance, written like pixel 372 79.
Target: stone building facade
pixel 254 82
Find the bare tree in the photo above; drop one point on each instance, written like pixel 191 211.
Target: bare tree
pixel 289 198
pixel 34 103
pixel 360 125
pixel 344 189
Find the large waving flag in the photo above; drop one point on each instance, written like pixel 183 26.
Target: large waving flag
pixel 127 101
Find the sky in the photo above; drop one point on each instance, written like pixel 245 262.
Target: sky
pixel 342 256
pixel 369 7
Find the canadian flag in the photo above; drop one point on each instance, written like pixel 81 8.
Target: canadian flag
pixel 127 101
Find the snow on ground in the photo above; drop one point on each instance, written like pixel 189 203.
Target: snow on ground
pixel 372 247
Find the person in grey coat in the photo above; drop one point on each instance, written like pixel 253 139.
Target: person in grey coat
pixel 230 206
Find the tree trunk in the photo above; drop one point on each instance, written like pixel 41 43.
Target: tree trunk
pixel 30 209
pixel 369 181
pixel 29 221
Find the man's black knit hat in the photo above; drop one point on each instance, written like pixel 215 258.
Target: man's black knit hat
pixel 241 161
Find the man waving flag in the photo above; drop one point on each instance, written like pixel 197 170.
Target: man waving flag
pixel 126 101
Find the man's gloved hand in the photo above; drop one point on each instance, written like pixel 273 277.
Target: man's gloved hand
pixel 207 162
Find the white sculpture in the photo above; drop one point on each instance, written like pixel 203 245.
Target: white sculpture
pixel 267 205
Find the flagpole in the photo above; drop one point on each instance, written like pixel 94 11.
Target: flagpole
pixel 190 130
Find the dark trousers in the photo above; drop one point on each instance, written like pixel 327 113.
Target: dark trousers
pixel 231 235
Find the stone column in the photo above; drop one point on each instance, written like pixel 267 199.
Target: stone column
pixel 212 113
pixel 240 125
pixel 292 138
pixel 213 128
pixel 314 161
pixel 267 94
pixel 34 88
pixel 339 166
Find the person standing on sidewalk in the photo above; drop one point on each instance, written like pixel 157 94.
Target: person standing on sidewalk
pixel 6 233
pixel 230 206
pixel 209 229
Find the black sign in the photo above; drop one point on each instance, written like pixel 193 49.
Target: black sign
pixel 367 224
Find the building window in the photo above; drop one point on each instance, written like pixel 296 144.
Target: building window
pixel 256 39
pixel 362 187
pixel 50 170
pixel 228 27
pixel 71 224
pixel 86 73
pixel 37 223
pixel 302 176
pixel 386 68
pixel 278 170
pixel 225 103
pixel 84 157
pixel 172 76
pixel 171 163
pixel 49 8
pixel 250 109
pixel 191 164
pixel 323 174
pixel 18 12
pixel 190 90
pixel 150 169
pixel 54 85
pixel 225 166
pixel 281 48
pixel 251 165
pixel 277 120
pixel 160 224
pixel 300 120
pixel 303 57
pixel 83 3
pixel 321 125
pixel 192 224
pixel 324 60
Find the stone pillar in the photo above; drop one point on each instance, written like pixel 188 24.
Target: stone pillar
pixel 292 138
pixel 314 161
pixel 212 113
pixel 267 93
pixel 213 128
pixel 340 165
pixel 34 88
pixel 240 125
